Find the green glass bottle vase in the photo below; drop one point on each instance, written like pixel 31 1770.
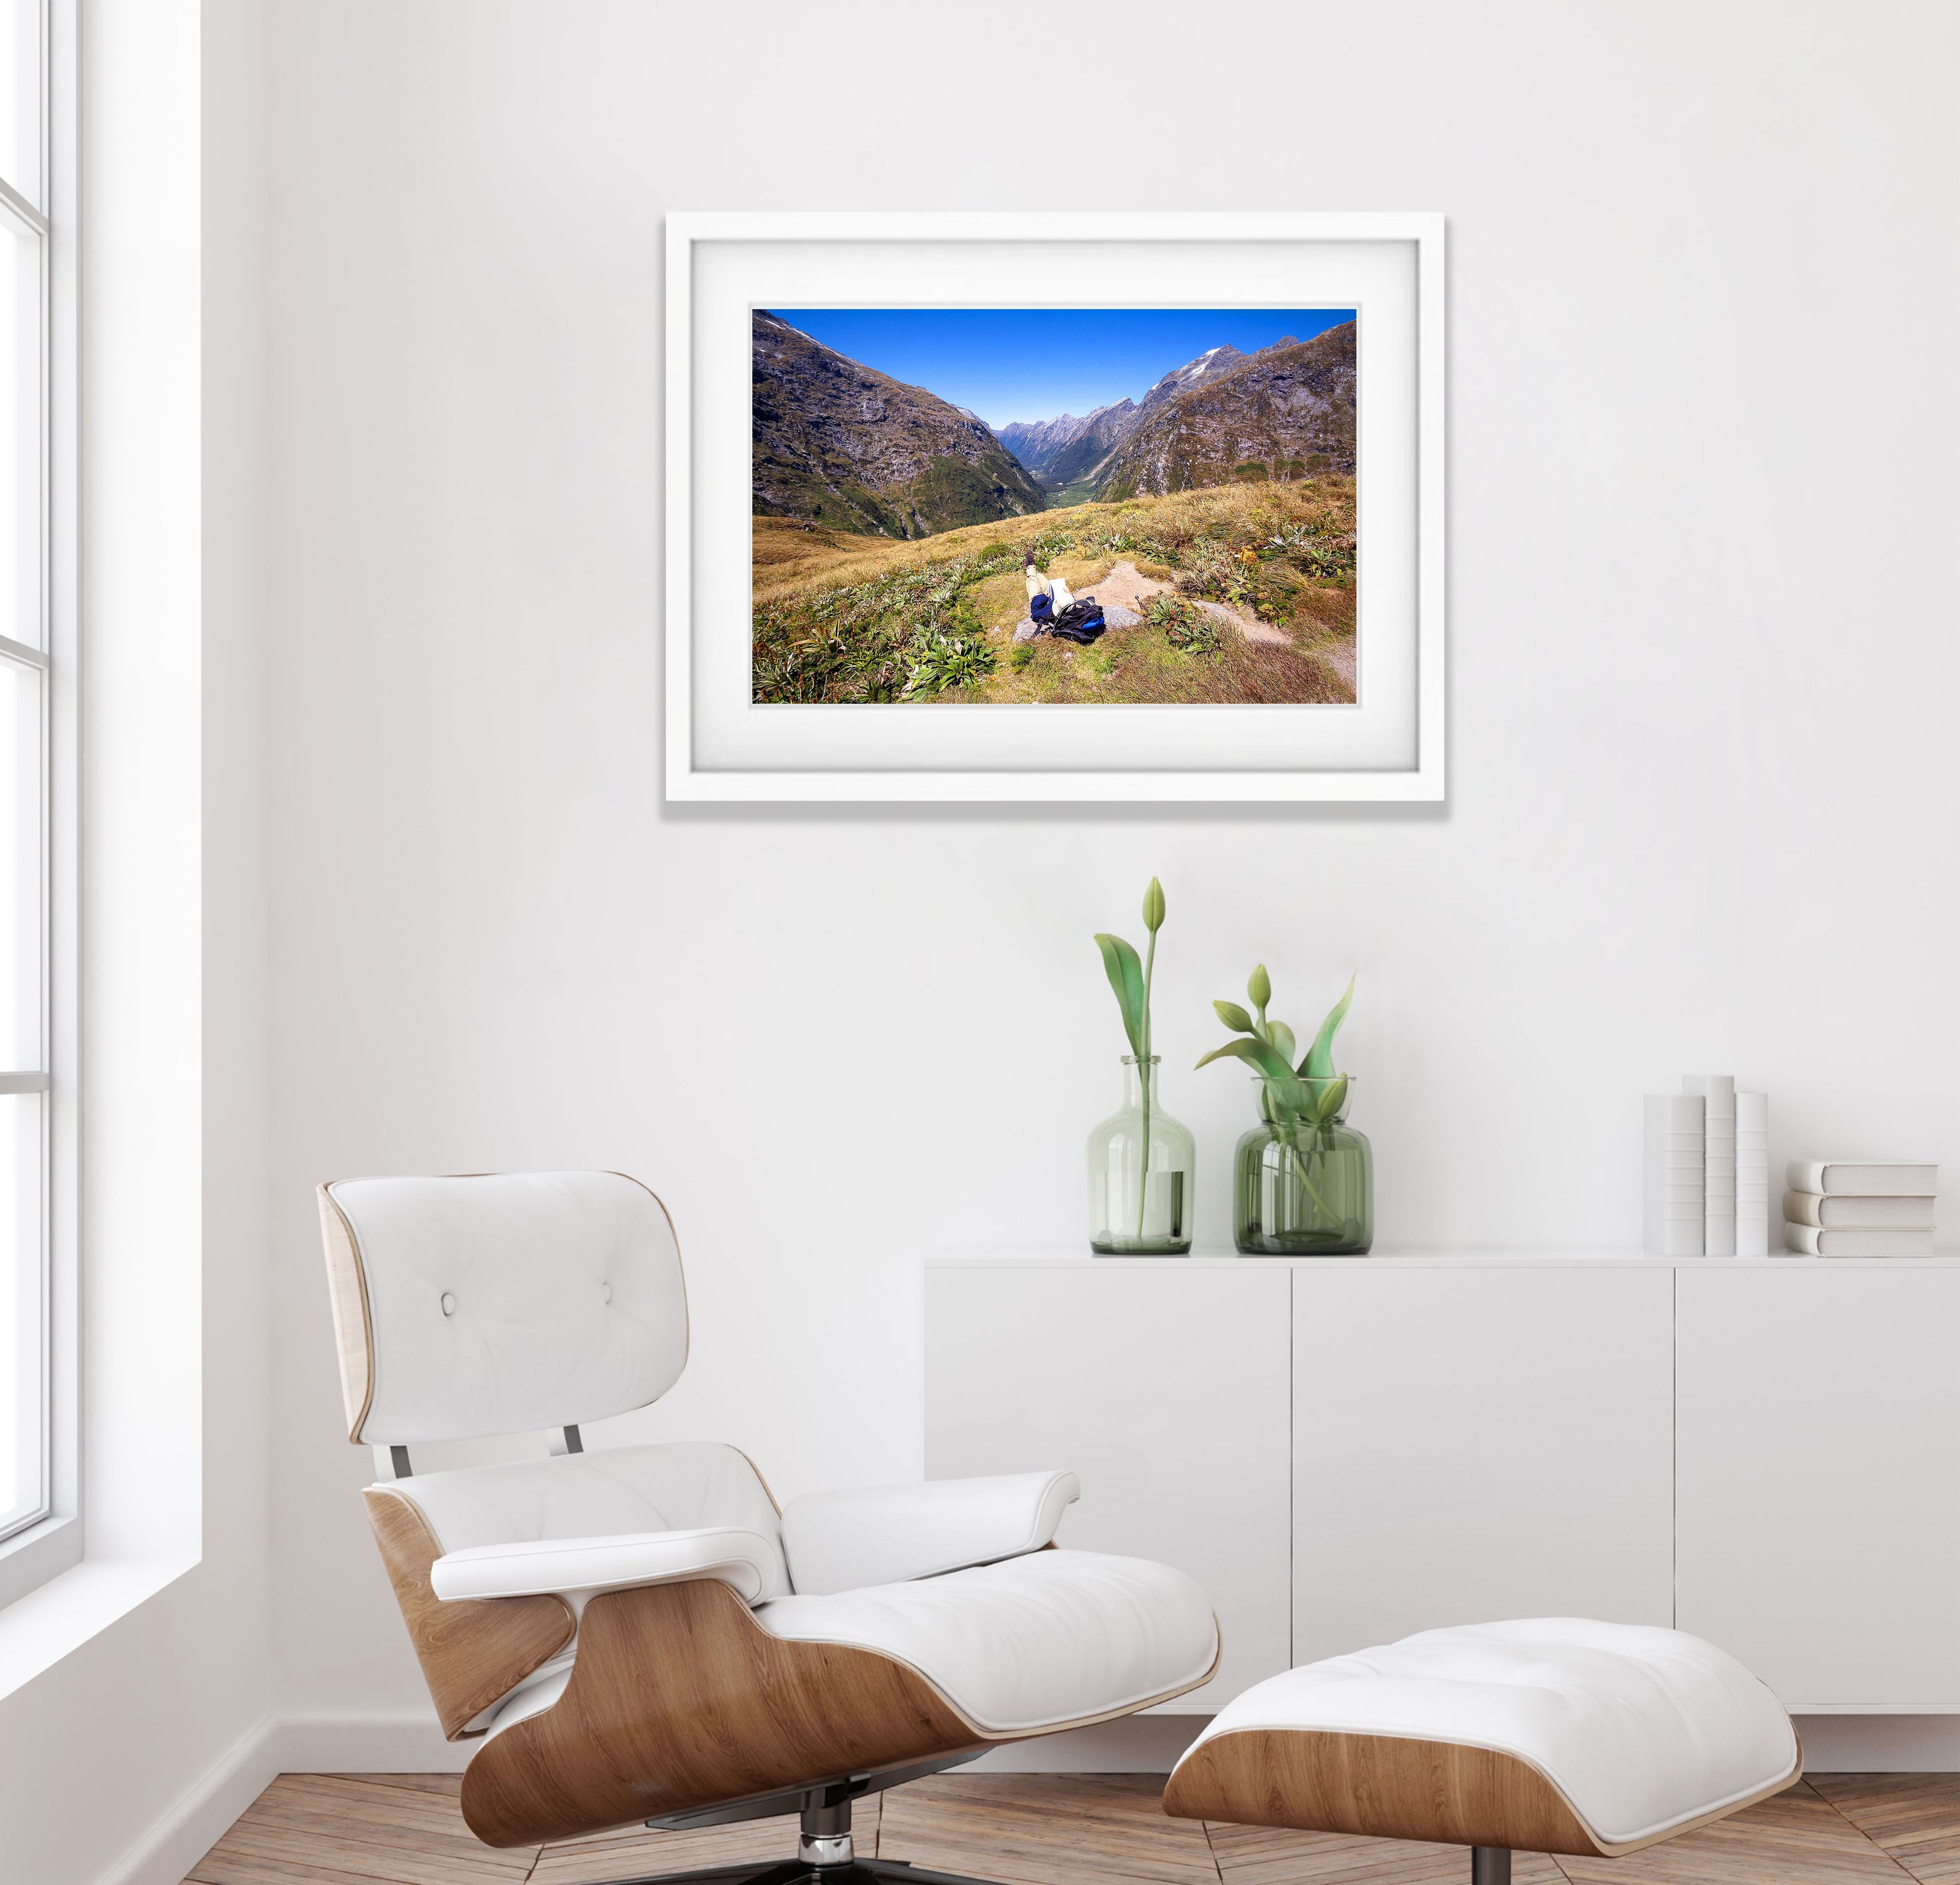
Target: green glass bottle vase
pixel 1140 1206
pixel 1303 1189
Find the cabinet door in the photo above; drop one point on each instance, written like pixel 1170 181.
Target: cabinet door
pixel 1820 1478
pixel 1164 1385
pixel 1475 1443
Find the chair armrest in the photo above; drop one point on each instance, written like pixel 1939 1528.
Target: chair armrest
pixel 564 1566
pixel 891 1534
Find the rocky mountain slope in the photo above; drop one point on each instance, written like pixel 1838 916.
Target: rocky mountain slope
pixel 1284 411
pixel 1081 456
pixel 853 449
pixel 1034 444
pixel 1108 427
pixel 1212 364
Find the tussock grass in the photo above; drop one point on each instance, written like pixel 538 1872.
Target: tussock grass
pixel 1137 667
pixel 839 617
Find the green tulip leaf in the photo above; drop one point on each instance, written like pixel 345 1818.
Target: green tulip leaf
pixel 1256 1054
pixel 1319 1064
pixel 1153 907
pixel 1124 969
pixel 1233 1016
pixel 1281 1037
pixel 1270 1064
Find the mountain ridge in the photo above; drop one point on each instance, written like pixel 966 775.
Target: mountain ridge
pixel 1285 412
pixel 1059 451
pixel 1093 455
pixel 839 443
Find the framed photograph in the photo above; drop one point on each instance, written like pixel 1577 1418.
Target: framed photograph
pixel 1054 506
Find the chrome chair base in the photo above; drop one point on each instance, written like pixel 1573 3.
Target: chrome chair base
pixel 825 1853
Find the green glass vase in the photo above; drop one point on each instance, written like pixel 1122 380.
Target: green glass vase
pixel 1303 1189
pixel 1141 1163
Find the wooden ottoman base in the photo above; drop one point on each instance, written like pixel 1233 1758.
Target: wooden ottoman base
pixel 1556 1735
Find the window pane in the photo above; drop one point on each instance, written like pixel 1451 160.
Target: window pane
pixel 20 873
pixel 23 1342
pixel 20 97
pixel 20 456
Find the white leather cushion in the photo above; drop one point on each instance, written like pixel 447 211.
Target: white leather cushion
pixel 883 1534
pixel 1038 1642
pixel 548 1567
pixel 1640 1729
pixel 513 1302
pixel 623 1492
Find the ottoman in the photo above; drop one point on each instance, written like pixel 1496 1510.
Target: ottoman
pixel 1550 1735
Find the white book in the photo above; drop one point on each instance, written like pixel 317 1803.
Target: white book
pixel 1752 1174
pixel 1810 1239
pixel 1868 1178
pixel 1717 1094
pixel 1844 1212
pixel 1675 1205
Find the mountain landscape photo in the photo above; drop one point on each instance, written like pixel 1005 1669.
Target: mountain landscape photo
pixel 1204 514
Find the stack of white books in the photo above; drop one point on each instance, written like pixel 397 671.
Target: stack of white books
pixel 1872 1207
pixel 1718 1165
pixel 1752 1174
pixel 1707 1169
pixel 1676 1190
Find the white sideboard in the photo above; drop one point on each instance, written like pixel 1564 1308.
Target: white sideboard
pixel 1341 1451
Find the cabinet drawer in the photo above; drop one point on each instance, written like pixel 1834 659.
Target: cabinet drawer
pixel 1819 1494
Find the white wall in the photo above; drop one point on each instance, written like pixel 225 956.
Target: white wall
pixel 1703 666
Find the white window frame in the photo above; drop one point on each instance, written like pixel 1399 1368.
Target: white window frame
pixel 40 1548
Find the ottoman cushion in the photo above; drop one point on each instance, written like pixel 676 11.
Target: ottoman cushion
pixel 1553 1734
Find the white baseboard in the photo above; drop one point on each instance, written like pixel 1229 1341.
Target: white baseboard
pixel 1151 1744
pixel 1880 1743
pixel 407 1743
pixel 200 1818
pixel 410 1742
pixel 1138 1744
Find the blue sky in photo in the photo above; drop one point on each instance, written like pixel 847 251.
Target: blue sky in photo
pixel 1037 363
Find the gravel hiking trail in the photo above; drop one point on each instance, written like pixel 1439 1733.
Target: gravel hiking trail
pixel 1126 587
pixel 1339 657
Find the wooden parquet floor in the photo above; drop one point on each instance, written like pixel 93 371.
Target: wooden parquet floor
pixel 1072 1829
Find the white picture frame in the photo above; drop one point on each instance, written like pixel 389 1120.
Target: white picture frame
pixel 1388 745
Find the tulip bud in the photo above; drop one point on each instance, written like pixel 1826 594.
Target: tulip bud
pixel 1260 988
pixel 1153 907
pixel 1233 1016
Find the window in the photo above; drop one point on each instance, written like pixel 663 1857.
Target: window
pixel 29 1476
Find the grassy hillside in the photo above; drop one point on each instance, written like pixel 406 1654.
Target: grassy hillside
pixel 843 617
pixel 949 493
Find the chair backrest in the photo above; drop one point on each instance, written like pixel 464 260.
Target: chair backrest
pixel 500 1303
